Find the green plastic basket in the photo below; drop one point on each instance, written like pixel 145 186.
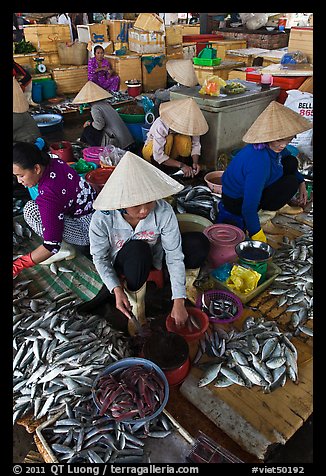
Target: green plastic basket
pixel 206 61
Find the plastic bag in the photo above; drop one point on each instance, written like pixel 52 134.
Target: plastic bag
pixel 111 155
pixel 303 104
pixel 147 104
pixel 253 21
pixel 212 86
pixel 293 60
pixel 244 280
pixel 222 272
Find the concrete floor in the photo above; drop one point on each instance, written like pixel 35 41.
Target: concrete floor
pixel 298 450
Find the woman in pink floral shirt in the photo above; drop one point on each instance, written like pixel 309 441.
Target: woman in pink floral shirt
pixel 100 71
pixel 63 208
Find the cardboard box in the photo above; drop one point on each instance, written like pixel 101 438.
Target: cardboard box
pixel 117 45
pixel 127 67
pixel 174 52
pixel 222 70
pixel 189 50
pixel 95 32
pixel 222 46
pixel 146 42
pixel 70 79
pixel 51 58
pixel 190 30
pixel 45 37
pixel 301 38
pixel 149 22
pixel 118 30
pixel 153 78
pixel 173 35
pixel 239 73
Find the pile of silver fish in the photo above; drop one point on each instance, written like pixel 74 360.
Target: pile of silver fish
pixel 294 285
pixel 20 234
pixel 219 308
pixel 17 206
pixel 80 435
pixel 260 354
pixel 57 352
pixel 198 200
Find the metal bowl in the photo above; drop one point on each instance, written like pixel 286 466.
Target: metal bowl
pixel 47 120
pixel 253 245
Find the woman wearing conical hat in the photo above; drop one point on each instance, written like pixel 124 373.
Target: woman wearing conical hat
pixel 173 141
pixel 24 126
pixel 106 126
pixel 263 175
pixel 131 231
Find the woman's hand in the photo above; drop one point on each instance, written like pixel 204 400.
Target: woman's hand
pixel 303 195
pixel 179 312
pixel 121 301
pixel 87 123
pixel 196 168
pixel 187 171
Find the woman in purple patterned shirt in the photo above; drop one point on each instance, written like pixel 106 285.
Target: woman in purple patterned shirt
pixel 61 211
pixel 100 71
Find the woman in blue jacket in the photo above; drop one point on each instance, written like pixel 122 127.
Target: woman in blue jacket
pixel 263 175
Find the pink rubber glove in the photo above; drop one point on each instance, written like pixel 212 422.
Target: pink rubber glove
pixel 21 263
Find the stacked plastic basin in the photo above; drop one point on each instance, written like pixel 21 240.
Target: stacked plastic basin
pixel 92 154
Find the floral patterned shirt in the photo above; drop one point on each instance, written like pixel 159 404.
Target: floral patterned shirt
pixel 61 192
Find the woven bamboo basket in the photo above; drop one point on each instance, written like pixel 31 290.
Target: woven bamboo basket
pixel 70 79
pixel 75 54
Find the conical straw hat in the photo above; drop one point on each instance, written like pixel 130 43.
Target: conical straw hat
pixel 274 123
pixel 91 92
pixel 184 116
pixel 133 182
pixel 20 103
pixel 182 71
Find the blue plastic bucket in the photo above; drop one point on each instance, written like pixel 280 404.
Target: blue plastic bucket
pixel 145 130
pixel 37 94
pixel 136 130
pixel 49 88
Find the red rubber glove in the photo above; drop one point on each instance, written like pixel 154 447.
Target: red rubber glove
pixel 21 263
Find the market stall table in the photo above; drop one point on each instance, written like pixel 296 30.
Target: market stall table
pixel 228 117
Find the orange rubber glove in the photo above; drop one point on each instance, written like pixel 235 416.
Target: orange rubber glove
pixel 21 263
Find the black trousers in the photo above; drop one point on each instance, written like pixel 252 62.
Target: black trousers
pixel 134 260
pixel 91 136
pixel 276 195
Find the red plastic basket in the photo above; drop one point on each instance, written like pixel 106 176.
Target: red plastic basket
pixel 218 294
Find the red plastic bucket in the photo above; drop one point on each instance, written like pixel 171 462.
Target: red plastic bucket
pixel 63 150
pixel 170 352
pixel 133 89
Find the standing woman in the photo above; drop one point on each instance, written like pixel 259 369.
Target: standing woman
pixel 106 126
pixel 64 19
pixel 132 230
pixel 263 175
pixel 61 211
pixel 173 140
pixel 100 71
